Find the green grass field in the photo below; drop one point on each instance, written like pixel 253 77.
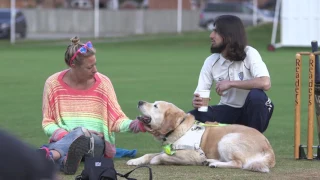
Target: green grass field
pixel 163 67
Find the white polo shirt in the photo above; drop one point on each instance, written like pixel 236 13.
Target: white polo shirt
pixel 216 68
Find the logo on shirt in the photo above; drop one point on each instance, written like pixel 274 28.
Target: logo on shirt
pixel 240 75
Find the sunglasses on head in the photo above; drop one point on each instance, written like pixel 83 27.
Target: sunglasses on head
pixel 81 50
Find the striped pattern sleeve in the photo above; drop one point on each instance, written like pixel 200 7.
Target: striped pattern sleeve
pixel 49 124
pixel 117 120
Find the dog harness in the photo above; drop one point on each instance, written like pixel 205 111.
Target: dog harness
pixel 190 140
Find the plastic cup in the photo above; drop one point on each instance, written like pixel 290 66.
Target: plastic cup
pixel 205 95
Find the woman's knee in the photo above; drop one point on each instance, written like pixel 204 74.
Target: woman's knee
pixel 79 131
pixel 86 132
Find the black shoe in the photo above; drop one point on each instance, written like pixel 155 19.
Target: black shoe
pixel 77 150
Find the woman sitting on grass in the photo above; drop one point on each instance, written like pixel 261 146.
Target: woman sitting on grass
pixel 80 110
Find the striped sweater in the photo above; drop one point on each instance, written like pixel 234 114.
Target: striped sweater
pixel 96 109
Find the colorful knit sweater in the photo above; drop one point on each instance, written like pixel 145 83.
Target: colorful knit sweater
pixel 96 109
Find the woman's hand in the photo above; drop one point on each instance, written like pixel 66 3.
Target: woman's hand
pixel 137 126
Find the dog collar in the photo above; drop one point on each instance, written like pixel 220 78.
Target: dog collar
pixel 168 134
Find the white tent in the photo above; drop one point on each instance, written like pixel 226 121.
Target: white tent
pixel 300 23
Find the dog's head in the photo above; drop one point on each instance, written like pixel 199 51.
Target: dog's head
pixel 160 116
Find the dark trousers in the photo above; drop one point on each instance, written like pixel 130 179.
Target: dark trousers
pixel 256 112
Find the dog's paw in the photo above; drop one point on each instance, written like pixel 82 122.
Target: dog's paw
pixel 212 165
pixel 205 163
pixel 134 162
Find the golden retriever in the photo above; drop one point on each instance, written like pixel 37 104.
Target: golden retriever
pixel 187 142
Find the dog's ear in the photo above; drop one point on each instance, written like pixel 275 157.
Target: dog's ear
pixel 171 119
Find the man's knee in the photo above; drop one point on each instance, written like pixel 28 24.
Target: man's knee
pixel 196 114
pixel 202 116
pixel 257 96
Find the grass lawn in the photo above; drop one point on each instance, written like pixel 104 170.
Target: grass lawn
pixel 164 67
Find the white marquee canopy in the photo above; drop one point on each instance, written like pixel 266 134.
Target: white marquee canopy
pixel 299 23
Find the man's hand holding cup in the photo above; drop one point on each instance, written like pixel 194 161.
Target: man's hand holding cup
pixel 201 100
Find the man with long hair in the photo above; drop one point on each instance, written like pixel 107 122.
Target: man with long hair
pixel 238 75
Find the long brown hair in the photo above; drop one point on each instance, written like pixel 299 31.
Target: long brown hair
pixel 232 30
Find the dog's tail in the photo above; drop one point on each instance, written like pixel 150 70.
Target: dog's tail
pixel 261 162
pixel 258 166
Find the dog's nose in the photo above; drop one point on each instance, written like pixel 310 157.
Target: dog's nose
pixel 140 103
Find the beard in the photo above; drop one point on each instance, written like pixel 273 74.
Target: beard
pixel 217 49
